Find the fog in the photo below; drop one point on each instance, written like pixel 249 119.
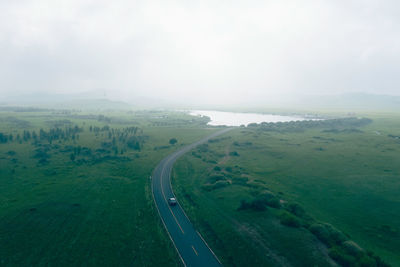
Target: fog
pixel 211 52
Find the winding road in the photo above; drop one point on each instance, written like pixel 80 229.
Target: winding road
pixel 191 247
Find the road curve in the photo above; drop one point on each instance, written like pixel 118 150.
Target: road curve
pixel 191 247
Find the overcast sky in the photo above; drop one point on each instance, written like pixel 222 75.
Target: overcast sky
pixel 233 50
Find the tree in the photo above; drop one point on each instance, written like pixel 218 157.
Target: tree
pixel 173 141
pixel 3 138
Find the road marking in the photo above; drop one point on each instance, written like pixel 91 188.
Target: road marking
pixel 165 198
pixel 195 251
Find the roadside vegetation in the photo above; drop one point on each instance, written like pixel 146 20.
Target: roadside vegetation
pixel 75 187
pixel 314 193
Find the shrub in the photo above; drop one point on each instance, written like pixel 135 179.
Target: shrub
pixel 43 161
pixel 274 203
pixel 244 205
pixel 217 185
pixel 215 178
pixel 217 168
pixel 341 257
pixel 194 154
pixel 173 141
pixel 269 199
pixel 220 184
pixel 320 232
pixel 378 261
pixel 261 202
pixel 259 205
pixel 234 153
pixel 352 248
pixel 11 153
pixel 256 204
pixel 289 220
pixel 202 148
pixel 366 261
pixel 327 234
pixel 41 153
pixel 296 209
pixel 240 180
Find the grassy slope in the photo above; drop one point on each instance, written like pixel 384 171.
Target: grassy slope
pixel 64 214
pixel 350 180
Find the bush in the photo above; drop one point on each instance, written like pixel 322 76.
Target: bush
pixel 217 185
pixel 289 220
pixel 296 209
pixel 240 180
pixel 194 154
pixel 256 204
pixel 173 141
pixel 353 248
pixel 202 148
pixel 260 202
pixel 11 153
pixel 274 203
pixel 43 161
pixel 366 261
pixel 234 153
pixel 41 153
pixel 259 205
pixel 244 205
pixel 341 257
pixel 327 234
pixel 217 168
pixel 220 184
pixel 271 199
pixel 215 178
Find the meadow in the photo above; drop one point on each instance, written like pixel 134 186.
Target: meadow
pixel 300 194
pixel 75 188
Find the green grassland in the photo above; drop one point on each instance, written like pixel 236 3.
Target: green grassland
pixel 80 195
pixel 298 194
pixel 75 189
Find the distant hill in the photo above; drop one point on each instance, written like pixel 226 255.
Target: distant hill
pixel 64 101
pixel 98 101
pixel 355 101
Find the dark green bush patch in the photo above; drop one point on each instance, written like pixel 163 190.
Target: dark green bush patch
pixel 234 153
pixel 217 168
pixel 217 185
pixel 327 234
pixel 289 219
pixel 296 209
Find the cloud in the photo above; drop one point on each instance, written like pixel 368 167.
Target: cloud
pixel 232 50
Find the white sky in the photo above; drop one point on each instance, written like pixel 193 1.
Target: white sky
pixel 232 50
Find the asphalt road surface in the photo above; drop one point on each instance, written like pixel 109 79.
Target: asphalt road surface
pixel 191 247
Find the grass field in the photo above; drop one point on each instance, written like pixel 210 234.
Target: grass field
pixel 263 195
pixel 75 189
pixel 83 198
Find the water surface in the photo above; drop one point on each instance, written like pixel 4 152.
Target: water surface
pixel 237 119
